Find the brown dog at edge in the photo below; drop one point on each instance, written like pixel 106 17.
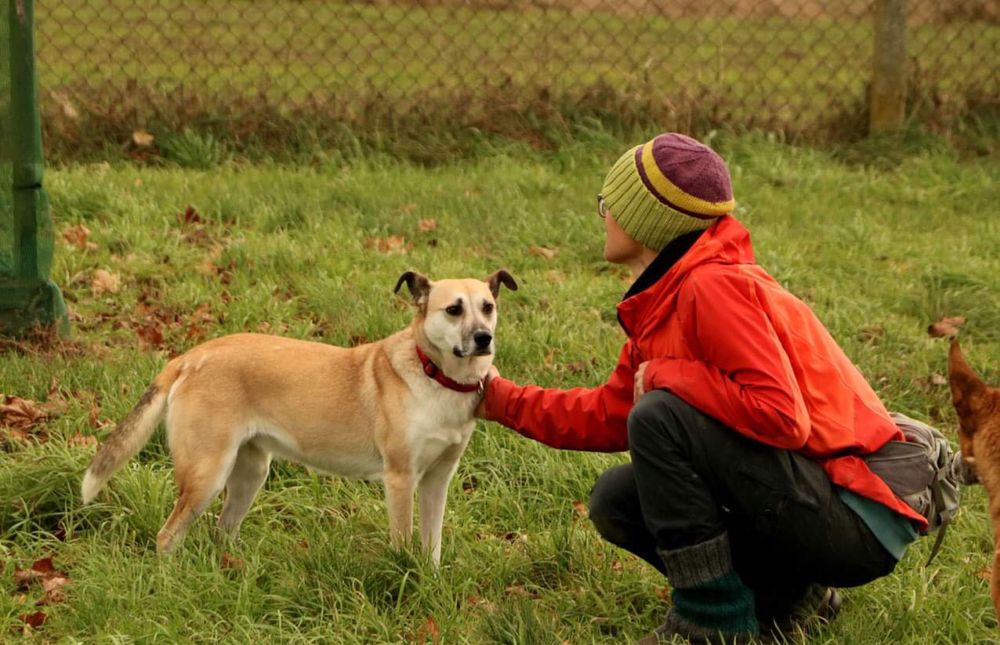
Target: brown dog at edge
pixel 978 407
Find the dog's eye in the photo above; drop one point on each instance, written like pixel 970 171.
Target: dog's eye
pixel 487 308
pixel 454 310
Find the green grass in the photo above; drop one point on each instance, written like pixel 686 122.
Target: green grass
pixel 888 246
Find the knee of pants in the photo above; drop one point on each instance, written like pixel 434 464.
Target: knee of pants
pixel 609 501
pixel 653 419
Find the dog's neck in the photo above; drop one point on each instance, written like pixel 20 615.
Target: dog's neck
pixel 466 370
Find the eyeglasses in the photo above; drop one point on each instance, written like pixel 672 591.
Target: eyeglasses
pixel 602 212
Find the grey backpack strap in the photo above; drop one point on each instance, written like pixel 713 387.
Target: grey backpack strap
pixel 946 517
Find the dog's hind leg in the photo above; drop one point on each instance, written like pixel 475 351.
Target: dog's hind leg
pixel 203 456
pixel 433 495
pixel 248 475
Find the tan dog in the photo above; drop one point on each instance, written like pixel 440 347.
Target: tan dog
pixel 978 407
pixel 399 410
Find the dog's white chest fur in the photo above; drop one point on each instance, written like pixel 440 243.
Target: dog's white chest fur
pixel 440 419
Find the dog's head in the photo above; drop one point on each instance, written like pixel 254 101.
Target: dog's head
pixel 458 317
pixel 977 404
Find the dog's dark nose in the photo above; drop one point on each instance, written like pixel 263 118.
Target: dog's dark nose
pixel 483 339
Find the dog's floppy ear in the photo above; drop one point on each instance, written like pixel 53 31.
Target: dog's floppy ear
pixel 968 391
pixel 498 278
pixel 419 286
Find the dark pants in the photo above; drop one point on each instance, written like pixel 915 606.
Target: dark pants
pixel 692 478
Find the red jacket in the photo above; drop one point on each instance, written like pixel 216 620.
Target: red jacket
pixel 725 337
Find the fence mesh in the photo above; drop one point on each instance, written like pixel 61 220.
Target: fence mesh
pixel 787 64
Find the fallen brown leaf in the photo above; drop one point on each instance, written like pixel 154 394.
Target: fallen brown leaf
pixel 55 404
pixel 189 216
pixel 19 435
pixel 427 629
pixel 104 282
pixel 427 225
pixel 150 335
pixel 53 588
pixel 142 138
pixel 34 620
pixel 391 244
pixel 543 251
pixel 519 590
pixel 230 561
pixel 82 440
pixel 580 508
pixel 77 236
pixel 20 414
pixel 938 379
pixel 42 571
pixel 94 417
pixel 946 326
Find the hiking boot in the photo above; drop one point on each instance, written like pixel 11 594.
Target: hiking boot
pixel 819 607
pixel 675 625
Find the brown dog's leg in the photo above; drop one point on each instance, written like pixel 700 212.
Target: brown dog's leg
pixel 203 458
pixel 399 486
pixel 249 472
pixel 433 495
pixel 177 524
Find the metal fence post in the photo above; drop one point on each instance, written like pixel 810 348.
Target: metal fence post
pixel 27 297
pixel 887 101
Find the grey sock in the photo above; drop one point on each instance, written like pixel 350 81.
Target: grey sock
pixel 695 565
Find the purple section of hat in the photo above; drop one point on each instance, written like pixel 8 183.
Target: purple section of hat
pixel 663 200
pixel 693 167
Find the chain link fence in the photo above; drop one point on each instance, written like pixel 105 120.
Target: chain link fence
pixel 793 65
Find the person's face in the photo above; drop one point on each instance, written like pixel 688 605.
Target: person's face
pixel 619 248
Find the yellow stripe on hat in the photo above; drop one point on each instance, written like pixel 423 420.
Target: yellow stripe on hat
pixel 675 195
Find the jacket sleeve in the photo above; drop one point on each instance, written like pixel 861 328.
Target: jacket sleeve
pixel 579 419
pixel 743 377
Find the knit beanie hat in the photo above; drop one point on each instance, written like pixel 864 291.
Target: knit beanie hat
pixel 667 187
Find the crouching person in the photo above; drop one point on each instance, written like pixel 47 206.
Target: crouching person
pixel 746 423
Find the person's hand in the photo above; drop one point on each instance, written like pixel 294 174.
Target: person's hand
pixel 481 408
pixel 640 376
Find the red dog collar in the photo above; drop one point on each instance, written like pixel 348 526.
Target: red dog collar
pixel 433 371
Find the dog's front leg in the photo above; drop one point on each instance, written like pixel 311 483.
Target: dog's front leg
pixel 433 495
pixel 399 487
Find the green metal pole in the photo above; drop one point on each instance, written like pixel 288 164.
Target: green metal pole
pixel 30 299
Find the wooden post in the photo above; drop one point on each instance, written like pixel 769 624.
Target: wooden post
pixel 887 101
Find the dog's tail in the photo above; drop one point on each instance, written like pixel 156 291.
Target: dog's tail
pixel 130 435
